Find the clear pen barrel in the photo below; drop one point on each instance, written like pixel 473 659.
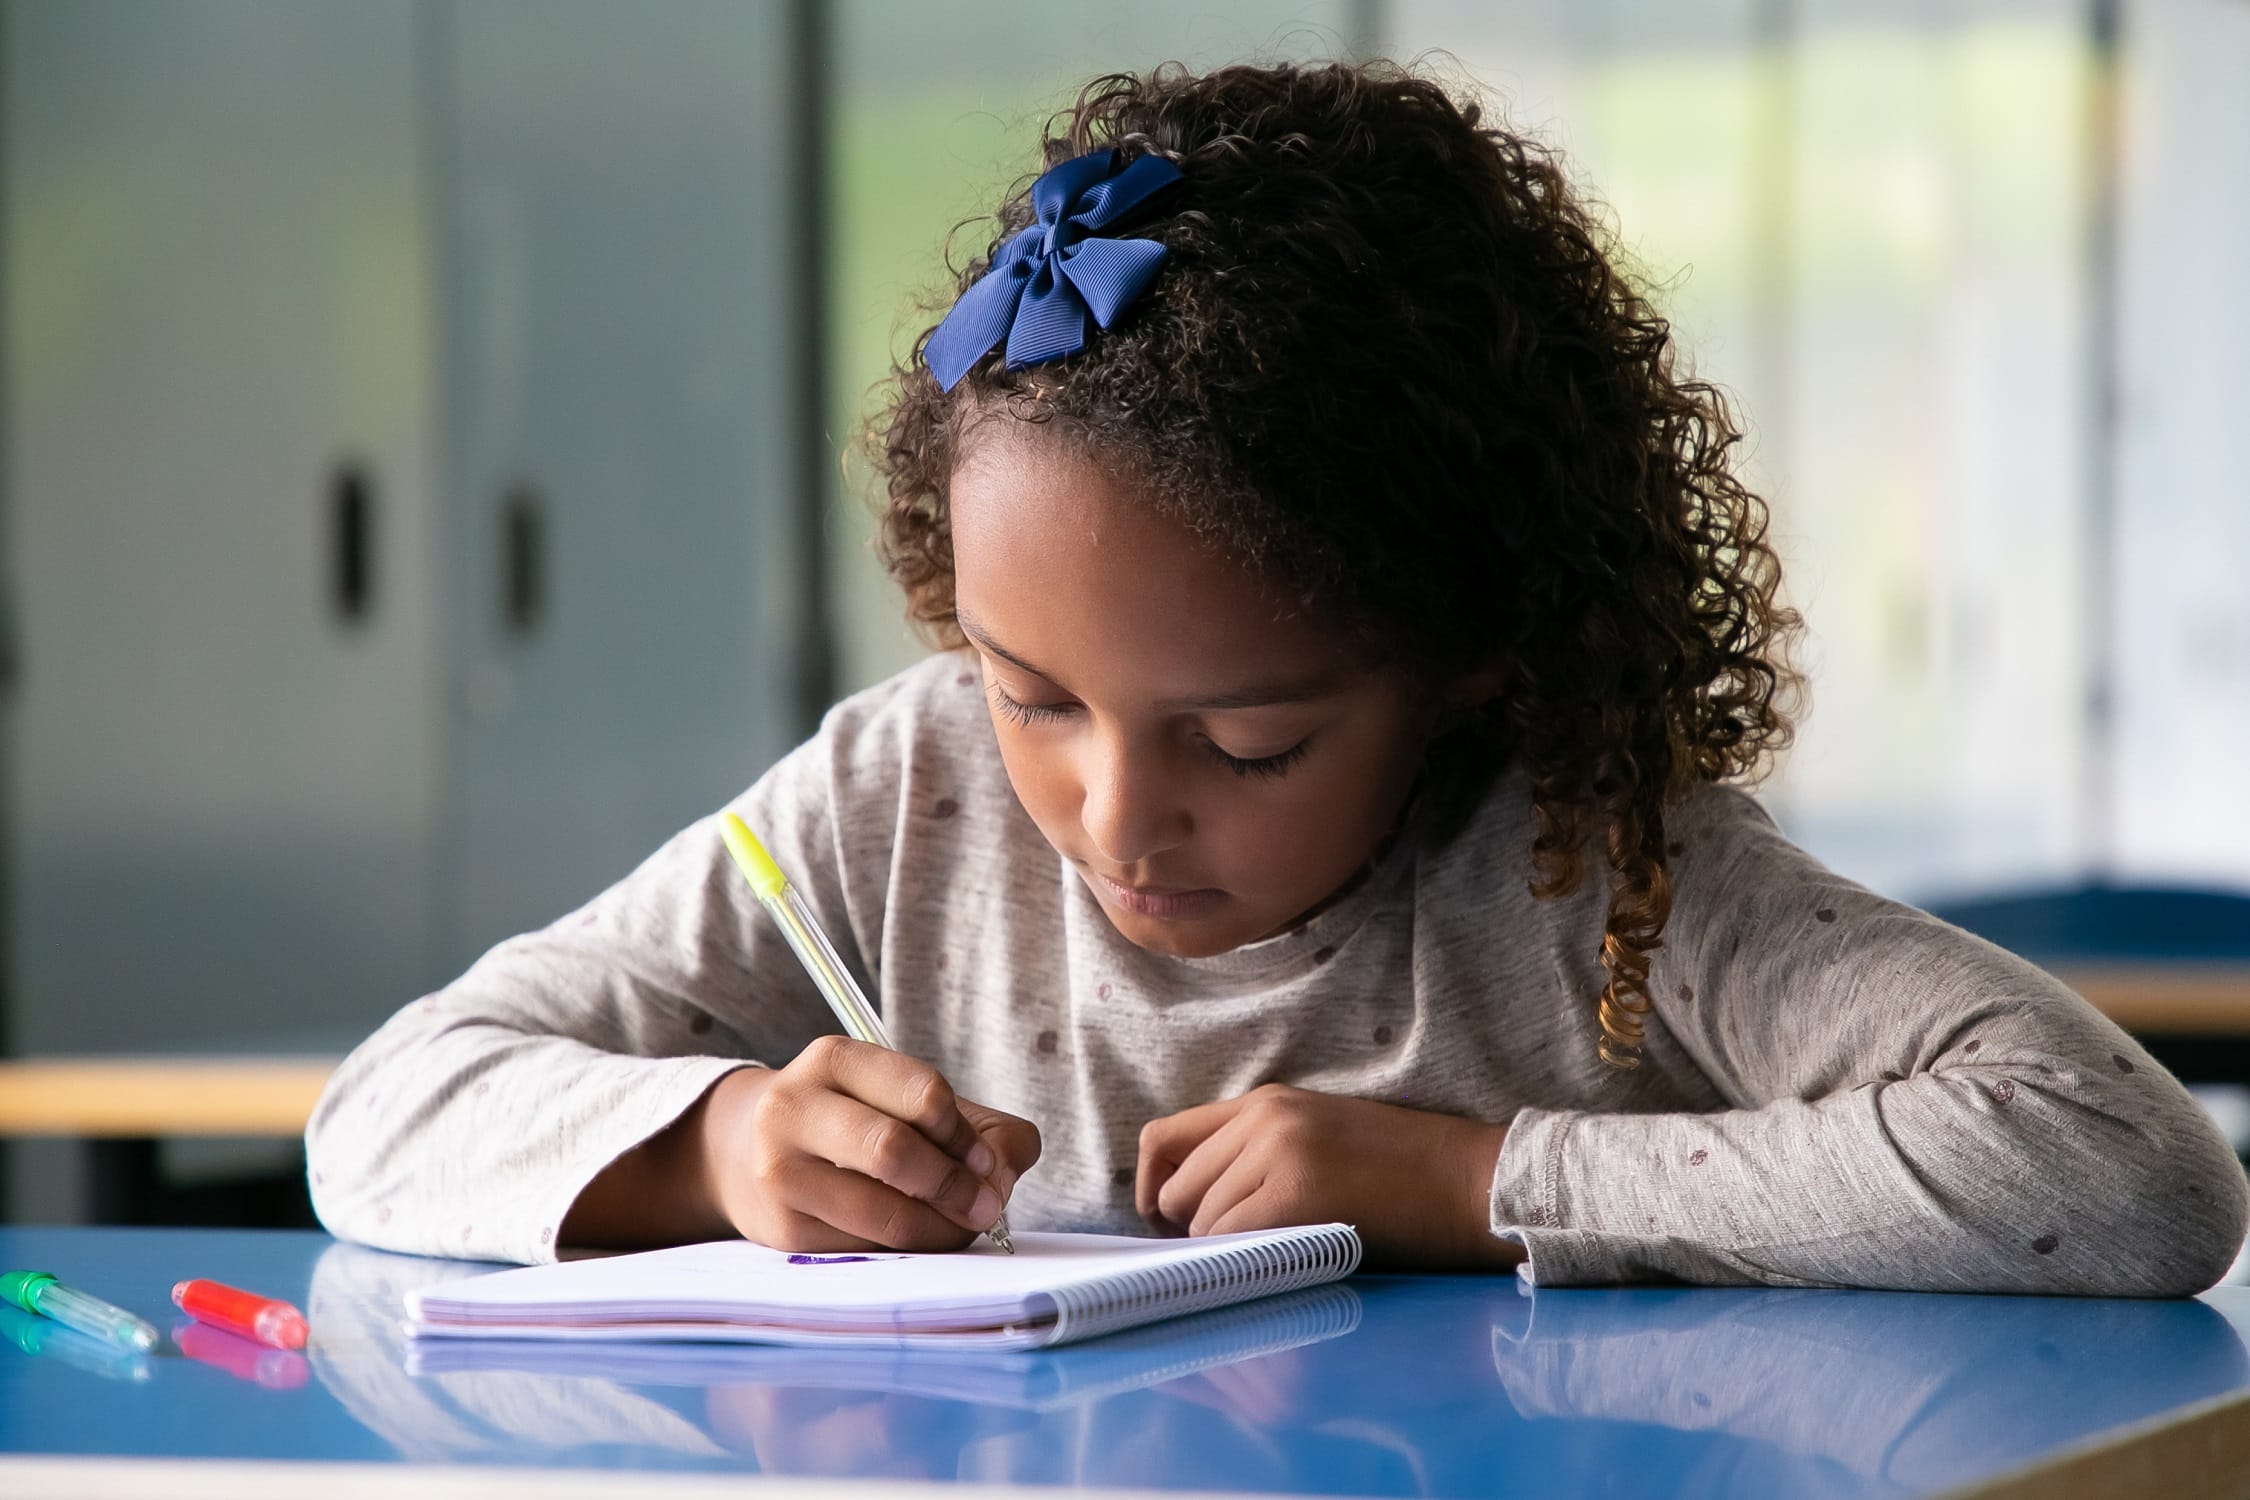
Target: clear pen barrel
pixel 87 1314
pixel 826 966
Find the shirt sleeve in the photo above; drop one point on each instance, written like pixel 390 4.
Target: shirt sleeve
pixel 1908 1107
pixel 469 1123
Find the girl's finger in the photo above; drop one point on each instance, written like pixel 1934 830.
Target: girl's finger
pixel 863 1139
pixel 905 1089
pixel 870 1213
pixel 1180 1199
pixel 1231 1199
pixel 1015 1141
pixel 805 1231
pixel 1166 1143
pixel 1252 1212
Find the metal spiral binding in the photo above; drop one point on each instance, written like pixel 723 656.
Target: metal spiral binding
pixel 1221 1275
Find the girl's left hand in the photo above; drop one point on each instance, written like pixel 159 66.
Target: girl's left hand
pixel 1417 1185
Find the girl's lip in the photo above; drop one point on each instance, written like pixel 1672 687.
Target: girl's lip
pixel 1160 901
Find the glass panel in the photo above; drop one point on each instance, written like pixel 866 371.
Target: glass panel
pixel 2183 504
pixel 1866 223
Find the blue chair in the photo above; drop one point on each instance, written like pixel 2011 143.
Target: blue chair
pixel 2110 924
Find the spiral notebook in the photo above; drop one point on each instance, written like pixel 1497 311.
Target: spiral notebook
pixel 1057 1289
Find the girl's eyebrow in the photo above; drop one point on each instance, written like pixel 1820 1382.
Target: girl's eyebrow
pixel 983 637
pixel 1264 695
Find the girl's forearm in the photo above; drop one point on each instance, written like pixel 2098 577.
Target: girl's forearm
pixel 660 1192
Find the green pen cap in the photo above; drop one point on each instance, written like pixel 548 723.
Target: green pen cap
pixel 22 1288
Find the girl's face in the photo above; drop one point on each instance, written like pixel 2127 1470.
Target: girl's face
pixel 1214 766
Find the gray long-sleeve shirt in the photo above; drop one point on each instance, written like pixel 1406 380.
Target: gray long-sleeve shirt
pixel 1835 1088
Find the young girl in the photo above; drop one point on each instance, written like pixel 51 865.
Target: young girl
pixel 1318 810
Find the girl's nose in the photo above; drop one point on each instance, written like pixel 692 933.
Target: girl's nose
pixel 1129 812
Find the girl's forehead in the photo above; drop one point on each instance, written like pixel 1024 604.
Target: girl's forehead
pixel 1061 561
pixel 1031 498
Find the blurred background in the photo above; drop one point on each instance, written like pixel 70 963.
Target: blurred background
pixel 421 481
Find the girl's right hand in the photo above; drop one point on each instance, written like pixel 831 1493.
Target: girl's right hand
pixel 855 1147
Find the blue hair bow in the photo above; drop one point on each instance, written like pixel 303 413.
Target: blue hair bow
pixel 1053 273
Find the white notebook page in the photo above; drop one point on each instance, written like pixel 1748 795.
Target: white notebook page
pixel 734 1281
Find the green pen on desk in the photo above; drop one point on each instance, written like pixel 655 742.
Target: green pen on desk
pixel 38 1292
pixel 802 930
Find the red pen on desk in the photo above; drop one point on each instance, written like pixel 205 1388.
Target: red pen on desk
pixel 270 1322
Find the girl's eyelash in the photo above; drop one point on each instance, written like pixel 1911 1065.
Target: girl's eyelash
pixel 1043 713
pixel 1264 765
pixel 1023 713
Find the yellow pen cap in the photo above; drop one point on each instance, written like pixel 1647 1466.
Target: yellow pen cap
pixel 750 856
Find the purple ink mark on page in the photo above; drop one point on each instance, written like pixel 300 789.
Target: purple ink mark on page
pixel 825 1260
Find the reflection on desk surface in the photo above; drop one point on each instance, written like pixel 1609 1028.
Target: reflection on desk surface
pixel 1425 1386
pixel 1449 1386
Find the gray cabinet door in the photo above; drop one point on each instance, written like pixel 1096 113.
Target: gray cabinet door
pixel 220 769
pixel 619 516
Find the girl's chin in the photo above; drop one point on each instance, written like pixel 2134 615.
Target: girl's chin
pixel 1177 938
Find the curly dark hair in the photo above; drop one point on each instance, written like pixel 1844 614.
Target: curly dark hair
pixel 1389 364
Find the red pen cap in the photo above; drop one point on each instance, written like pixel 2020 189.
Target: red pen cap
pixel 266 1319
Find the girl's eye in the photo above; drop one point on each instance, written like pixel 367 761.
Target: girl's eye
pixel 1025 713
pixel 1264 765
pixel 1017 711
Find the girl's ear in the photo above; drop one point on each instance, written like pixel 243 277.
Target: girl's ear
pixel 1473 690
pixel 1460 701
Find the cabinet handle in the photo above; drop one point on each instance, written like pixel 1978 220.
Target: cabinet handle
pixel 351 542
pixel 523 561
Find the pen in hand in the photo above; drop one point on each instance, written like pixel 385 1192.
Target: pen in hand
pixel 806 939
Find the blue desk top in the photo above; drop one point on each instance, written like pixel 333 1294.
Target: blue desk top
pixel 1428 1386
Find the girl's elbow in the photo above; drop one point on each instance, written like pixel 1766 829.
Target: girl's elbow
pixel 2215 1220
pixel 332 1182
pixel 2136 1205
pixel 2178 1231
pixel 343 1168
